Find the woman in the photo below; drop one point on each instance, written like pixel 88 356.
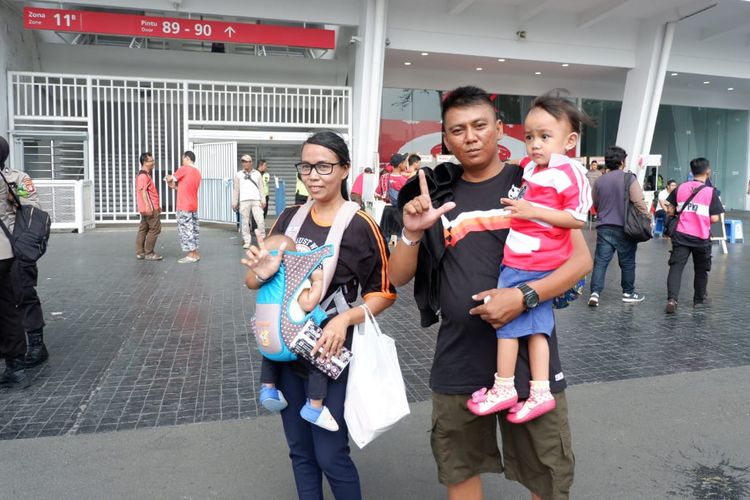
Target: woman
pixel 362 266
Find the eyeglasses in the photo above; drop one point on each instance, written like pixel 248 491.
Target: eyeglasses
pixel 322 168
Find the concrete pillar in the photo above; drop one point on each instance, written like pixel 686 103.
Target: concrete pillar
pixel 368 83
pixel 643 89
pixel 18 52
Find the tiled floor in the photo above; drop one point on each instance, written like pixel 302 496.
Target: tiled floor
pixel 141 344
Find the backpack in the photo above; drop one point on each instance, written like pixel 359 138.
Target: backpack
pixel 277 319
pixel 30 231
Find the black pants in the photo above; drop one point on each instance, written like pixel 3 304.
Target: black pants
pixel 30 307
pixel 701 265
pixel 12 337
pixel 317 381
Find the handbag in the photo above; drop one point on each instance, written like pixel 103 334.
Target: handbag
pixel 375 392
pixel 671 221
pixel 637 225
pixel 30 231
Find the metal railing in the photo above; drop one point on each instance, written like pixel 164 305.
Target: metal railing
pixel 124 116
pixel 70 204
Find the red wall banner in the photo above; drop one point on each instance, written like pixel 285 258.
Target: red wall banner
pixel 103 23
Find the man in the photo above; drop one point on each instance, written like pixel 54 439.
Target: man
pixel 358 186
pixel 263 169
pixel 452 244
pixel 389 188
pixel 248 198
pixel 30 306
pixel 187 180
pixel 148 206
pixel 12 339
pixel 609 202
pixel 693 233
pixel 661 198
pixel 593 173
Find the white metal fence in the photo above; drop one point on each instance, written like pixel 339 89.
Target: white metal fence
pixel 123 117
pixel 70 204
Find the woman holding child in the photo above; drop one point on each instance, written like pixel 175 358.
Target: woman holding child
pixel 361 269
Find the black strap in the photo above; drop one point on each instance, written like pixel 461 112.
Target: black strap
pixel 690 198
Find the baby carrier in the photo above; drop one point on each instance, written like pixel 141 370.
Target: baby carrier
pixel 278 317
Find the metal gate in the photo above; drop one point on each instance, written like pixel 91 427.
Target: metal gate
pixel 217 162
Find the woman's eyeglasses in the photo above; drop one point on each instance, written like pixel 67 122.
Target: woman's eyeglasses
pixel 322 168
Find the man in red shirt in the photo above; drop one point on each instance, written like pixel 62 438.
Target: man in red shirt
pixel 149 208
pixel 187 180
pixel 358 185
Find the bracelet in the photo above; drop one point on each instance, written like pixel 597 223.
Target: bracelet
pixel 407 241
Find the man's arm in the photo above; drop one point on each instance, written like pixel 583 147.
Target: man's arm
pixel 235 192
pixel 419 215
pixel 506 304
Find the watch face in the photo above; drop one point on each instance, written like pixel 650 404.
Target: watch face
pixel 532 300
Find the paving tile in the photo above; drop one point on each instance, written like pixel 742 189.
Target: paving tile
pixel 143 344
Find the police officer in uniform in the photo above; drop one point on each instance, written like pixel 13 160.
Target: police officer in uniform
pixel 12 339
pixel 30 307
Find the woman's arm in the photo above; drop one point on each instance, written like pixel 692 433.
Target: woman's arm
pixel 506 304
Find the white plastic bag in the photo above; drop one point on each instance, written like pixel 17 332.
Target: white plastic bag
pixel 375 392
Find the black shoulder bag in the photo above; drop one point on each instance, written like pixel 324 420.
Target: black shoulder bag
pixel 671 221
pixel 637 225
pixel 31 229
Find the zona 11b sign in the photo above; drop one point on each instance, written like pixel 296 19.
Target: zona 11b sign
pixel 103 23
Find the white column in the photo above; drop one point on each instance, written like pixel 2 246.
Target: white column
pixel 368 83
pixel 643 89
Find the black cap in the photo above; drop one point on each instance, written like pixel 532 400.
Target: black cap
pixel 397 159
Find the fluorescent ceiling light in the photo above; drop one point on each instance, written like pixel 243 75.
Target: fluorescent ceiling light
pixel 706 82
pixel 503 60
pixel 407 63
pixel 480 69
pixel 675 74
pixel 537 72
pixel 565 65
pixel 425 53
pixel 732 88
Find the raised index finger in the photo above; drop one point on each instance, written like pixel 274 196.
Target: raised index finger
pixel 423 189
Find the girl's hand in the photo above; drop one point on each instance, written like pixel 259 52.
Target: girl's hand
pixel 333 338
pixel 262 263
pixel 519 209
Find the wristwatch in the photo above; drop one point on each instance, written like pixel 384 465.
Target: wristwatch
pixel 530 297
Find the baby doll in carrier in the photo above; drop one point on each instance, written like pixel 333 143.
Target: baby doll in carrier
pixel 284 305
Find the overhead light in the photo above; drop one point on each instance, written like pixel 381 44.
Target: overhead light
pixel 537 72
pixel 425 53
pixel 407 63
pixel 565 65
pixel 503 60
pixel 706 82
pixel 732 88
pixel 675 74
pixel 480 69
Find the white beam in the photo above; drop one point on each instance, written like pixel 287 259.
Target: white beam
pixel 599 13
pixel 455 7
pixel 725 28
pixel 531 8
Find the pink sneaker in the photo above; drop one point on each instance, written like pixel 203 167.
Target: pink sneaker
pixel 537 405
pixel 500 397
pixel 516 407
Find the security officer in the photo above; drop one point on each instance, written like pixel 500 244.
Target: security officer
pixel 12 339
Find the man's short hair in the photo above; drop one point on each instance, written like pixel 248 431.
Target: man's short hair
pixel 262 162
pixel 414 158
pixel 699 166
pixel 614 157
pixel 671 181
pixel 594 162
pixel 190 155
pixel 145 156
pixel 463 97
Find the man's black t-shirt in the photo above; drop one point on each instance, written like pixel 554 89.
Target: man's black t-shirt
pixel 466 349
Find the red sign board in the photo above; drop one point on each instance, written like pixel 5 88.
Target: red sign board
pixel 103 23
